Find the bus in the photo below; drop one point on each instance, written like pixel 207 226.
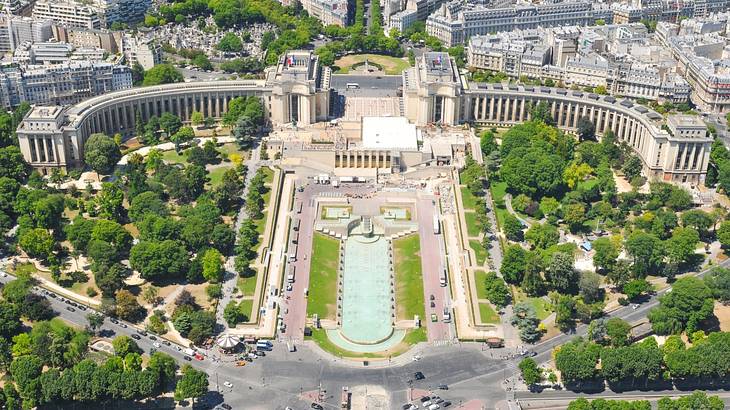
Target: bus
pixel 436 226
pixel 296 224
pixel 293 254
pixel 353 86
pixel 292 271
pixel 299 207
pixel 264 345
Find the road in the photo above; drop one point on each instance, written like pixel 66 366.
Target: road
pixel 432 262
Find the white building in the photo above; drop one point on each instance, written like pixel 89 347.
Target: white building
pixel 61 83
pixel 402 20
pixel 67 13
pixel 328 11
pixel 144 52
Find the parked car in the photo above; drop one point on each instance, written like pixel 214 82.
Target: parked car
pixel 70 309
pixel 135 336
pixel 188 358
pixel 418 376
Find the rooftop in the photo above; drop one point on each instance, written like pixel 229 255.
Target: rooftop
pixel 389 133
pixel 45 112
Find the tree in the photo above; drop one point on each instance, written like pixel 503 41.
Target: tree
pixel 681 246
pixel 636 288
pixel 689 304
pixel 496 290
pixel 586 129
pixel 513 264
pixel 151 294
pixel 526 320
pixel 646 252
pixel 37 243
pixel 147 203
pixel 123 345
pixel 96 321
pixel 606 254
pixel 577 360
pixel 541 112
pixel 700 220
pixel 101 153
pixel 9 319
pixel 574 215
pixel 193 384
pixel 162 74
pixel 12 164
pixel 213 265
pixel 617 331
pixel 127 306
pixel 549 206
pixel 512 228
pixel 679 199
pixel 25 371
pixel 113 233
pixel 158 260
pixel 230 43
pixel 531 372
pixel 164 367
pixel 576 173
pixel 632 167
pixel 196 118
pixel 561 272
pixel 488 142
pixel 182 136
pixel 719 281
pixel 565 313
pixel 542 236
pixel 232 314
pixel 696 400
pixel 590 287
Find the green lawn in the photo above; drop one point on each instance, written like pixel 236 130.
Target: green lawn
pixel 416 336
pixel 247 286
pixel 499 190
pixel 469 200
pixel 391 65
pixel 172 156
pixel 479 251
pixel 408 278
pixel 320 337
pixel 323 277
pixel 216 176
pixel 246 305
pixel 268 175
pixel 541 306
pixel 480 277
pixel 472 225
pixel 487 313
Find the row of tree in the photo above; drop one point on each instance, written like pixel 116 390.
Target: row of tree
pixel 696 400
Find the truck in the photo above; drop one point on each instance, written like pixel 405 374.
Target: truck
pixel 299 207
pixel 189 352
pixel 447 315
pixel 296 224
pixel 442 277
pixel 291 276
pixel 293 253
pixel 436 225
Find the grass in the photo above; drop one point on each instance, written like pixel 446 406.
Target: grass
pixel 480 278
pixel 469 200
pixel 412 337
pixel 216 176
pixel 268 175
pixel 391 65
pixel 472 226
pixel 408 278
pixel 323 277
pixel 479 251
pixel 499 190
pixel 172 157
pixel 540 305
pixel 24 268
pixel 246 305
pixel 247 286
pixel 487 313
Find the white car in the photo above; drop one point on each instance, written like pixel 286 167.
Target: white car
pixel 228 384
pixel 157 345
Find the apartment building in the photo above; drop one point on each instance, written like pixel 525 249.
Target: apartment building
pixel 91 15
pixel 328 11
pixel 145 52
pixel 66 83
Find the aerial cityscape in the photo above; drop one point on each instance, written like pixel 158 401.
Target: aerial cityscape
pixel 365 204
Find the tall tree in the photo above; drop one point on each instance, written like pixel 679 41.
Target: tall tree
pixel 101 153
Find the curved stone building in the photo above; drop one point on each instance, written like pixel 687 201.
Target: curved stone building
pixel 674 149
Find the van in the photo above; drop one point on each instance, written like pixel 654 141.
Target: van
pixel 447 315
pixel 291 347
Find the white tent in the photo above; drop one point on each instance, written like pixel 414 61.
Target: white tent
pixel 227 341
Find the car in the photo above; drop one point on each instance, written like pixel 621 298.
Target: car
pixel 432 297
pixel 446 404
pixel 3 274
pixel 425 399
pixel 289 287
pixel 166 342
pixel 434 318
pixel 70 309
pixel 228 384
pixel 115 321
pixel 418 376
pixel 152 337
pixel 188 358
pixel 157 345
pixel 260 353
pixel 317 406
pixel 82 307
pixel 135 336
pixel 439 400
pixel 124 325
pixel 248 359
pixel 443 387
pixel 142 332
pixel 433 304
pixel 226 406
pixel 51 295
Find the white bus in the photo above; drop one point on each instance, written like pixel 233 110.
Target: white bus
pixel 353 86
pixel 292 271
pixel 436 226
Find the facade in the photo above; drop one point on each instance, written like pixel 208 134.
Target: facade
pixel 67 13
pixel 146 53
pixel 61 83
pixel 328 11
pixel 402 20
pixel 297 90
pixel 703 60
pixel 454 23
pixel 109 41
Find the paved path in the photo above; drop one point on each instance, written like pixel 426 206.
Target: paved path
pixel 230 277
